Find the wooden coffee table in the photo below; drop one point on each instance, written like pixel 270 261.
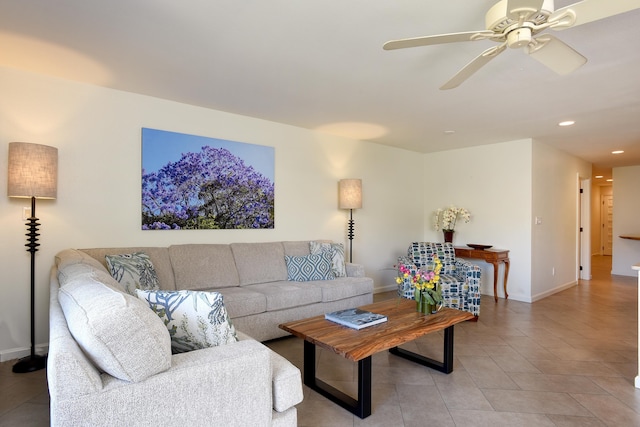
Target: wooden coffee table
pixel 404 324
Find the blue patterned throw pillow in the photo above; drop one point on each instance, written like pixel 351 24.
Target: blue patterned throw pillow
pixel 336 251
pixel 309 267
pixel 194 319
pixel 133 271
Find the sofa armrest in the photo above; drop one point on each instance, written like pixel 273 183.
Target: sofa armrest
pixel 405 287
pixel 287 383
pixel 286 380
pixel 470 273
pixel 230 385
pixel 354 270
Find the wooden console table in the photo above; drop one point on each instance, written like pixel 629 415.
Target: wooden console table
pixel 492 256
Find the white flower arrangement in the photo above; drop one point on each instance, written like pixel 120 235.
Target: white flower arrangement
pixel 446 218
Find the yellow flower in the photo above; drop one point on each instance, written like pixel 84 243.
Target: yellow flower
pixel 398 280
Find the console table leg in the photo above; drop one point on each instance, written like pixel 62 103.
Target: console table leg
pixel 506 276
pixel 495 281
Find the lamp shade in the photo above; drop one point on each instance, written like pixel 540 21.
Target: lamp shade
pixel 33 171
pixel 350 194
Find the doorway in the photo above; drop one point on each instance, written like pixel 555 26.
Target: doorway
pixel 606 224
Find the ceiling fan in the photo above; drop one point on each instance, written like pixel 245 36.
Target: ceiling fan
pixel 516 24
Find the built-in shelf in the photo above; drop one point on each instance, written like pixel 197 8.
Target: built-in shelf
pixel 630 237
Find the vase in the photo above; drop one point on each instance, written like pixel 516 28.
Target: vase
pixel 448 236
pixel 431 309
pixel 422 306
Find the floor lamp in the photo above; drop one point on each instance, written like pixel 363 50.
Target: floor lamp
pixel 350 197
pixel 33 173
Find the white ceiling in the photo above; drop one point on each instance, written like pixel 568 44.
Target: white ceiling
pixel 320 65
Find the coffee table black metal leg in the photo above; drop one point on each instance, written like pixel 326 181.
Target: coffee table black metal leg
pixel 360 407
pixel 445 366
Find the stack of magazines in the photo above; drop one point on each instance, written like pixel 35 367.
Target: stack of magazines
pixel 355 318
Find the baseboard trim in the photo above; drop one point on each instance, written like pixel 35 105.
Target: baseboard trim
pixel 555 290
pixel 19 353
pixel 385 289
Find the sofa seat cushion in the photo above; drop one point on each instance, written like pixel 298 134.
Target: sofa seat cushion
pixel 286 294
pixel 259 262
pixel 341 288
pixel 242 301
pixel 203 266
pixel 117 331
pixel 195 319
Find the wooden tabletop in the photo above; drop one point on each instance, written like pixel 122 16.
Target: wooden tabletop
pixel 404 324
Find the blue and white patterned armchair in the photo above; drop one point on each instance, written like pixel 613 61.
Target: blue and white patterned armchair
pixel 460 279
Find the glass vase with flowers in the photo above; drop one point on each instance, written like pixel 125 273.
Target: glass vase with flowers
pixel 427 293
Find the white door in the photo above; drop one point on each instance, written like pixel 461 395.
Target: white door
pixel 606 220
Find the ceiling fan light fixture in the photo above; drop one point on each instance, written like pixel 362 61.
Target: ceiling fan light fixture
pixel 520 37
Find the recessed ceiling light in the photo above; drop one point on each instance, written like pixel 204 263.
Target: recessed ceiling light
pixel 567 123
pixel 609 180
pixel 449 132
pixel 617 152
pixel 598 176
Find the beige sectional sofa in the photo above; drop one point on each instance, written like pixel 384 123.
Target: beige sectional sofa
pixel 241 383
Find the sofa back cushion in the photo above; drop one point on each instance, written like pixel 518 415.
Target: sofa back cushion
pixel 296 248
pixel 117 331
pixel 259 262
pixel 203 266
pixel 158 256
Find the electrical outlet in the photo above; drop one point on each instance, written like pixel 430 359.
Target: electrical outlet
pixel 538 220
pixel 26 213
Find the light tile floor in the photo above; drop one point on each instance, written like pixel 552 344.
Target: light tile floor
pixel 567 360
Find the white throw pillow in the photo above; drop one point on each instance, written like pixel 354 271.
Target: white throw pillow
pixel 116 330
pixel 194 319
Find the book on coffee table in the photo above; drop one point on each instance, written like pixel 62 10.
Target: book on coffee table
pixel 355 318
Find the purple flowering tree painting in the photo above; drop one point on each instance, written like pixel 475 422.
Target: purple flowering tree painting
pixel 192 182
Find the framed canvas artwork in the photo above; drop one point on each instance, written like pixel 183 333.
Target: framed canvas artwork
pixel 193 183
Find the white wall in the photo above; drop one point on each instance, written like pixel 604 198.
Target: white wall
pixel 555 201
pixel 494 183
pixel 97 132
pixel 626 219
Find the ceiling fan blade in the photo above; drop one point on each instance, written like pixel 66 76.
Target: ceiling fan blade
pixel 439 39
pixel 473 66
pixel 555 54
pixel 592 10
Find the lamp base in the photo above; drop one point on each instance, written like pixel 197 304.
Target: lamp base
pixel 30 364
